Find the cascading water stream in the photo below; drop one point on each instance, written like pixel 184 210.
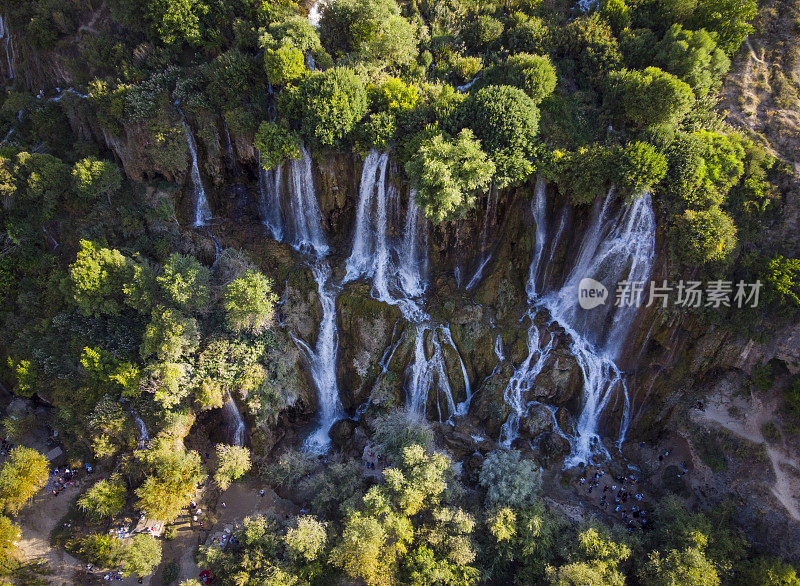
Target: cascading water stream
pixel 269 185
pixel 143 437
pixel 619 245
pixel 299 222
pixel 397 269
pixel 235 422
pixel 322 361
pixel 8 43
pixel 488 217
pixel 202 211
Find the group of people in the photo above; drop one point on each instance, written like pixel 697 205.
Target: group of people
pixel 370 458
pixel 62 480
pixel 615 497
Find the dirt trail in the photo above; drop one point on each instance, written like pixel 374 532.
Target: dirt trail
pixel 756 413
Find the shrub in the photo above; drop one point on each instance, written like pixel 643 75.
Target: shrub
pixel 398 430
pixel 694 57
pixel 640 167
pixel 481 32
pixel 392 95
pixel 648 98
pixel 704 236
pixel 284 65
pixel 275 144
pixel 505 120
pixel 509 480
pixel 446 172
pixel 782 280
pixel 92 178
pixel 533 74
pixel 330 104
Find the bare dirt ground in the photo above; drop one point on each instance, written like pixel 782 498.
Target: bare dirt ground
pixel 756 413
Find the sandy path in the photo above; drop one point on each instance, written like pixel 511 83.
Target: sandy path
pixel 787 470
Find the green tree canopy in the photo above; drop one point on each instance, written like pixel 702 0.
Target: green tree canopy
pixel 171 476
pixel 232 463
pixel 97 278
pixel 648 98
pixel 141 555
pixel 446 173
pixel 23 474
pixel 93 178
pixel 249 302
pixel 505 120
pixel 104 499
pixel 330 103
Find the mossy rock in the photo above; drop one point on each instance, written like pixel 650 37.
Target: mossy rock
pixel 302 310
pixel 366 327
pixel 488 403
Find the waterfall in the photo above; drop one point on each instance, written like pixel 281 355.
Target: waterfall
pixel 143 436
pixel 304 212
pixel 235 421
pixel 8 42
pixel 322 361
pixel 300 222
pixel 618 245
pixel 397 267
pixel 315 13
pixel 269 186
pixel 311 63
pixel 229 145
pixel 486 255
pixel 202 211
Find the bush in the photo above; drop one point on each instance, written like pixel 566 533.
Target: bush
pixel 506 121
pixel 398 430
pixel 392 95
pixel 509 480
pixel 275 144
pixel 533 74
pixel 704 236
pixel 640 167
pixel 249 302
pixel 782 280
pixel 446 172
pixel 330 104
pixel 481 32
pixel 648 98
pixel 284 65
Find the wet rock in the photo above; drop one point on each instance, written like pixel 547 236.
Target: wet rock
pixel 564 420
pixel 341 432
pixel 488 403
pixel 302 311
pixel 561 379
pixel 553 447
pixel 459 444
pixel 472 468
pixel 537 420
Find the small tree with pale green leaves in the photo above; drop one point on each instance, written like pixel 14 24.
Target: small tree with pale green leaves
pixel 233 463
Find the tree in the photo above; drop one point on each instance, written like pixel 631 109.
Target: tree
pixel 184 282
pixel 694 57
pixel 509 480
pixel 392 95
pixel 141 556
pixel 10 534
pixel 596 561
pixel 688 567
pixel 330 103
pixel 171 476
pixel 398 430
pixel 284 64
pixel 728 19
pixel 275 144
pixel 104 499
pixel 92 178
pixel 169 335
pixel 481 32
pixel 446 172
pixel 307 539
pixel 590 48
pixel 648 98
pixel 24 473
pixel 372 29
pixel 249 302
pixel 640 167
pixel 704 236
pixel 505 120
pixel 97 278
pixel 534 74
pixel 176 21
pixel 232 463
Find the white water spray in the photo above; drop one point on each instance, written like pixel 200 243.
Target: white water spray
pixel 8 43
pixel 235 421
pixel 619 245
pixel 202 211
